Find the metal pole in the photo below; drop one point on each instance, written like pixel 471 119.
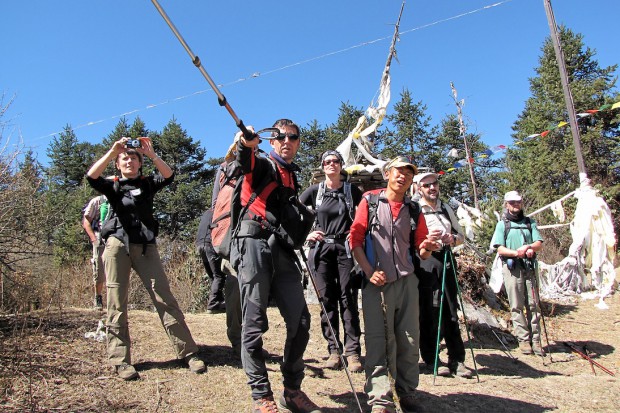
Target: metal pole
pixel 458 290
pixel 568 97
pixel 331 328
pixel 462 130
pixel 196 61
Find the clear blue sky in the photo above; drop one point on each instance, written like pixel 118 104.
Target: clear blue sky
pixel 78 62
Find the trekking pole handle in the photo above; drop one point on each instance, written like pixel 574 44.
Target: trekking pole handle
pixel 196 61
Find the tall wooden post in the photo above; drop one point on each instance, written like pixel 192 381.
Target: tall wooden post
pixel 462 130
pixel 568 97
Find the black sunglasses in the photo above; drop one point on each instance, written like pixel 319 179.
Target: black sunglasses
pixel 429 184
pixel 290 136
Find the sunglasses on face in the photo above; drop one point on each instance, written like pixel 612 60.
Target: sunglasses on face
pixel 331 161
pixel 514 202
pixel 290 136
pixel 429 184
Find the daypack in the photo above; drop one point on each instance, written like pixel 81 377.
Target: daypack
pixel 104 213
pixel 295 222
pixel 230 177
pixel 348 198
pixel 528 224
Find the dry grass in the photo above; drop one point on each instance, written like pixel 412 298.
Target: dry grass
pixel 46 365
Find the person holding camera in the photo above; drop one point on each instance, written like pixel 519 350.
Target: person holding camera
pixel 130 242
pixel 334 202
pixel 517 241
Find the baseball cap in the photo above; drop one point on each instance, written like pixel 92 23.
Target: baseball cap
pixel 423 175
pixel 512 196
pixel 400 161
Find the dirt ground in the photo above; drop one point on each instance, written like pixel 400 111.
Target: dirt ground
pixel 47 365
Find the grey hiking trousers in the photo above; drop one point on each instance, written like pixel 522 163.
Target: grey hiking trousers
pixel 265 269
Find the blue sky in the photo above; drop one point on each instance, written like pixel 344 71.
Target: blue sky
pixel 86 63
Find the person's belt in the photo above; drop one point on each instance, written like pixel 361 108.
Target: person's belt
pixel 333 239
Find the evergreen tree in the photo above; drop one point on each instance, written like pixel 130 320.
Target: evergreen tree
pixel 413 135
pixel 545 168
pixel 69 160
pixel 180 205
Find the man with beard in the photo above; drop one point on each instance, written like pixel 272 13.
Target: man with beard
pixel 517 241
pixel 442 224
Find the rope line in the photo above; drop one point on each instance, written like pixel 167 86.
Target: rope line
pixel 279 69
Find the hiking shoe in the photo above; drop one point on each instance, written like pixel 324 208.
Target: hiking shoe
pixel 194 364
pixel 265 405
pixel 459 370
pixel 354 363
pixel 537 349
pixel 126 371
pixel 442 370
pixel 297 402
pixel 525 347
pixel 407 404
pixel 99 302
pixel 333 362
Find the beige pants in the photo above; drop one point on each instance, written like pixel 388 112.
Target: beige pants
pixel 118 265
pixel 523 311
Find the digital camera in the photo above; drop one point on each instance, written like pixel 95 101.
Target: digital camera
pixel 133 143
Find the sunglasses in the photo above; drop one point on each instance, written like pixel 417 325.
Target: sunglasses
pixel 429 184
pixel 290 136
pixel 331 161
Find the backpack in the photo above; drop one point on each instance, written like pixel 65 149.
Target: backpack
pixel 230 178
pixel 348 198
pixel 104 213
pixel 228 209
pixel 373 204
pixel 528 224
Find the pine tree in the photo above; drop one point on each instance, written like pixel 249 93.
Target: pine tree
pixel 413 136
pixel 180 205
pixel 545 168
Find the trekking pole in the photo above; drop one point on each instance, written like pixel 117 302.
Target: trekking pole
pixel 586 357
pixel 443 288
pixel 503 345
pixel 196 61
pixel 458 290
pixel 536 294
pixel 331 328
pixel 585 350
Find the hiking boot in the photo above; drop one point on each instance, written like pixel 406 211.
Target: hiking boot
pixel 459 370
pixel 297 402
pixel 194 364
pixel 354 363
pixel 407 404
pixel 442 370
pixel 99 302
pixel 525 347
pixel 265 405
pixel 333 362
pixel 126 372
pixel 537 349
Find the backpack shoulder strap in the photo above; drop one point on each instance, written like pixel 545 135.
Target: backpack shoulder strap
pixel 348 199
pixel 506 229
pixel 373 205
pixel 319 196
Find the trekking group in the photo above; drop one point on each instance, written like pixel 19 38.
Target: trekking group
pixel 395 249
